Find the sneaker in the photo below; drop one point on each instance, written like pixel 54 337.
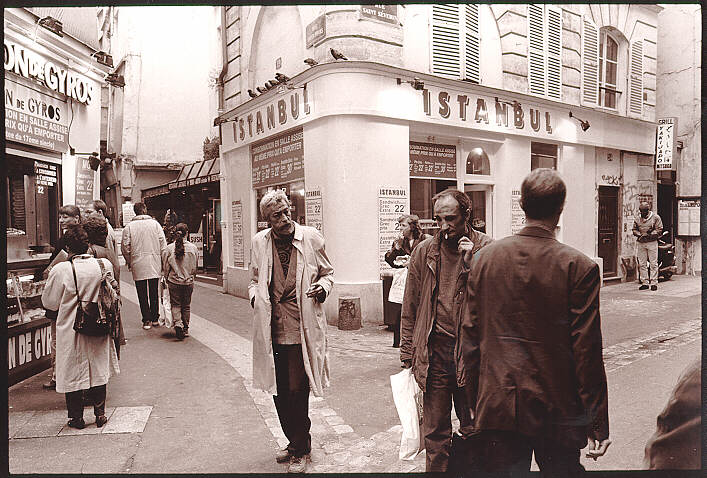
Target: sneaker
pixel 654 287
pixel 155 323
pixel 186 332
pixel 146 326
pixel 643 287
pixel 50 385
pixel 283 456
pixel 77 423
pixel 298 464
pixel 180 332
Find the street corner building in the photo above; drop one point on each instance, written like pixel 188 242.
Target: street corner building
pixel 53 87
pixel 431 97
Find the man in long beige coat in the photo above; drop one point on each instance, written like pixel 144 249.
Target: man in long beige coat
pixel 291 277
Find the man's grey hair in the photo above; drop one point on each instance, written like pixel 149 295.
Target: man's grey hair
pixel 270 199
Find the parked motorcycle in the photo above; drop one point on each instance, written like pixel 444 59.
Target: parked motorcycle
pixel 666 258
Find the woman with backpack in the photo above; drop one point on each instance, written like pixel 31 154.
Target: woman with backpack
pixel 83 362
pixel 179 262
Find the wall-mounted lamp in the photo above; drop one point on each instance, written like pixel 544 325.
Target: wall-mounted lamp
pixel 219 121
pixel 585 124
pixel 416 83
pixel 103 58
pixel 53 25
pixel 115 80
pixel 93 158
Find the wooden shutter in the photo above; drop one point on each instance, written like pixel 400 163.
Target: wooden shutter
pixel 590 62
pixel 554 53
pixel 471 42
pixel 536 50
pixel 445 40
pixel 635 99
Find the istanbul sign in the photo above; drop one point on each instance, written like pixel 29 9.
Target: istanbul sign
pixel 274 116
pixel 32 65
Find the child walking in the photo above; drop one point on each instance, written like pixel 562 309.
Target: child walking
pixel 179 268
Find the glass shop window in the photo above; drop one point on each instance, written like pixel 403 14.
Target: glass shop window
pixel 543 155
pixel 294 191
pixel 477 162
pixel 421 193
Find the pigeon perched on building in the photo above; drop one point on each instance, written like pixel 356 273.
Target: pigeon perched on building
pixel 252 94
pixel 311 61
pixel 268 85
pixel 260 90
pixel 282 78
pixel 337 54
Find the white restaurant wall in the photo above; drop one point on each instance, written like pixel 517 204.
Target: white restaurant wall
pixel 238 185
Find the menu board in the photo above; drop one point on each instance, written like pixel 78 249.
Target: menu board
pixel 84 183
pixel 278 159
pixel 688 217
pixel 392 203
pixel 238 249
pixel 197 238
pixel 128 213
pixel 313 208
pixel 517 213
pixel 431 160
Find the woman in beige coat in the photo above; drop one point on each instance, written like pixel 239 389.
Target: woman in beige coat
pixel 82 362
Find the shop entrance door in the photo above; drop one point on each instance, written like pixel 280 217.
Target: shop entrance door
pixel 609 228
pixel 212 237
pixel 667 207
pixel 481 196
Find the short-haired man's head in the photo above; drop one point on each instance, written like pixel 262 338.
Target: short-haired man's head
pixel 542 194
pixel 644 206
pixel 96 229
pixel 140 208
pixel 70 210
pixel 413 221
pixel 462 199
pixel 271 199
pixel 100 206
pixel 76 239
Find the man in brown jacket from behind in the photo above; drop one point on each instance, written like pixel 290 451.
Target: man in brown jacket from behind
pixel 530 349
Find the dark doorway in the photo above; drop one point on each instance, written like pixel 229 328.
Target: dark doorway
pixel 609 228
pixel 667 207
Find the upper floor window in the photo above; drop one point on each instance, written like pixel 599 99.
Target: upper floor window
pixel 543 155
pixel 455 41
pixel 608 70
pixel 545 51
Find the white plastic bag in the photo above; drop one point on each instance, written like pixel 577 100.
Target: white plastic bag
pixel 397 288
pixel 408 401
pixel 165 319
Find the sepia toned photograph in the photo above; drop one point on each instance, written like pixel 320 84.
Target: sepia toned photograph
pixel 336 238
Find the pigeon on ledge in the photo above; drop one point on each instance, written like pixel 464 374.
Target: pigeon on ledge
pixel 337 54
pixel 252 94
pixel 311 61
pixel 260 90
pixel 282 78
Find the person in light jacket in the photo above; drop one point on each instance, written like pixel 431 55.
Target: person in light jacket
pixel 83 363
pixel 291 276
pixel 143 244
pixel 179 268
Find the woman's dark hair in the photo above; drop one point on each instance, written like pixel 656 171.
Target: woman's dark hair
pixel 76 239
pixel 414 221
pixel 70 210
pixel 96 229
pixel 180 232
pixel 542 194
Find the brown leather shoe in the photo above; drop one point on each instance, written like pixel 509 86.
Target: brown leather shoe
pixel 77 423
pixel 283 456
pixel 101 420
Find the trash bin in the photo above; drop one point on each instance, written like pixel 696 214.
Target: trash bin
pixel 349 313
pixel 391 310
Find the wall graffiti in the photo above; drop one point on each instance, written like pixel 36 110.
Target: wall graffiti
pixel 612 180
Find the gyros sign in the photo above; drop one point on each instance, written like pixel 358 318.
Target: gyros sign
pixel 29 64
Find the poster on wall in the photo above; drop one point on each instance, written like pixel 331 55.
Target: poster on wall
pixel 429 160
pixel 128 212
pixel 688 217
pixel 666 144
pixel 278 159
pixel 313 208
pixel 84 183
pixel 238 248
pixel 517 214
pixel 34 118
pixel 45 176
pixel 197 238
pixel 392 203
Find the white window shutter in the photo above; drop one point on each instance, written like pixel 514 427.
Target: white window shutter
pixel 590 62
pixel 445 40
pixel 471 42
pixel 554 53
pixel 635 99
pixel 536 50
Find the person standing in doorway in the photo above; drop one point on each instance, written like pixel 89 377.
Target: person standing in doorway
pixel 647 228
pixel 69 215
pixel 432 305
pixel 179 268
pixel 530 347
pixel 142 245
pixel 291 276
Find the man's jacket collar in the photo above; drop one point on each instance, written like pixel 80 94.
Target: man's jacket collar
pixel 142 217
pixel 299 233
pixel 536 231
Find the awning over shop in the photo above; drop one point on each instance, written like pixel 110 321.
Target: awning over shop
pixel 197 173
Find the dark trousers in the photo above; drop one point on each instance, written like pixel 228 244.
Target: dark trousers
pixel 292 399
pixel 506 453
pixel 396 308
pixel 74 401
pixel 441 389
pixel 150 308
pixel 180 300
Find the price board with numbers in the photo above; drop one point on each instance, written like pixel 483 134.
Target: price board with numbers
pixel 313 208
pixel 431 160
pixel 392 203
pixel 517 214
pixel 238 248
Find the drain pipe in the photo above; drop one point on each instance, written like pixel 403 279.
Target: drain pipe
pixel 224 65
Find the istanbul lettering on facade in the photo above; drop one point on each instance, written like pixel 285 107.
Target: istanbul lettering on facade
pixel 505 114
pixel 275 115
